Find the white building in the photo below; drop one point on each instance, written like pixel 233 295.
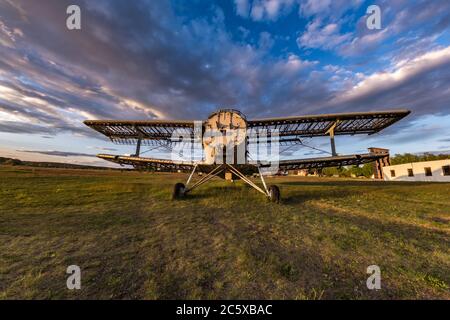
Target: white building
pixel 433 171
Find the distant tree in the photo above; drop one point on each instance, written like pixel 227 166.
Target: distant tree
pixel 408 158
pixel 330 171
pixel 366 170
pixel 13 162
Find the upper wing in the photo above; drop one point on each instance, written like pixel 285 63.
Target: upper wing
pixel 129 132
pixel 158 131
pixel 319 125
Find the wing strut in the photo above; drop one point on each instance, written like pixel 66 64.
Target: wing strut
pixel 138 147
pixel 219 169
pixel 331 133
pixel 190 176
pixel 214 172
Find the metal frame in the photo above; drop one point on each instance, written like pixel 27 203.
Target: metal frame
pixel 214 172
pixel 150 132
pixel 190 176
pixel 218 170
pixel 337 161
pixel 138 147
pixel 248 181
pixel 331 133
pixel 319 125
pixel 313 163
pixel 142 163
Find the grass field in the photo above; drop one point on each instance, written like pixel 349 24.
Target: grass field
pixel 223 241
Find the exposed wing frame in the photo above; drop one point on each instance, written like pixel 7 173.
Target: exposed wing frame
pixel 333 161
pixel 147 132
pixel 340 123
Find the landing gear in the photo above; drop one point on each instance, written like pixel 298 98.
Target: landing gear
pixel 274 194
pixel 178 191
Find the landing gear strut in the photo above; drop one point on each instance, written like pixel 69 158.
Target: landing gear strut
pixel 272 193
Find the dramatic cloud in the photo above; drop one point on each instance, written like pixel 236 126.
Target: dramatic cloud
pixel 150 60
pixel 420 18
pixel 408 84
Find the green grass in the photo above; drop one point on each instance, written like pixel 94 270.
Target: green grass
pixel 224 241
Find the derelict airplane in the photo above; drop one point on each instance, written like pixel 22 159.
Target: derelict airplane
pixel 226 137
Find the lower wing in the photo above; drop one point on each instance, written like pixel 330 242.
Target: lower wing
pixel 335 161
pixel 148 163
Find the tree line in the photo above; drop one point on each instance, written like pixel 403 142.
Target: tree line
pixel 366 170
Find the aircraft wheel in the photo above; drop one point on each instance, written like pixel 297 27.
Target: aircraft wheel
pixel 274 194
pixel 178 191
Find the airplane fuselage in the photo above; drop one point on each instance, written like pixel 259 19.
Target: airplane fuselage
pixel 225 137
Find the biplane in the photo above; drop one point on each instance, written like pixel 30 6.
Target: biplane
pixel 224 145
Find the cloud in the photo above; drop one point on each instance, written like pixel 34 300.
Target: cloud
pixel 422 19
pixel 7 38
pixel 331 10
pixel 325 37
pixel 416 20
pixel 293 64
pixel 141 61
pixel 259 10
pixel 104 148
pixel 265 40
pixel 59 153
pixel 242 7
pixel 19 127
pixel 313 7
pixel 272 10
pixel 411 74
pixel 365 43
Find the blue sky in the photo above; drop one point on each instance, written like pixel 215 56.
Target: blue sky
pixel 184 59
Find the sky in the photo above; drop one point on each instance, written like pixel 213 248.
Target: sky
pixel 148 59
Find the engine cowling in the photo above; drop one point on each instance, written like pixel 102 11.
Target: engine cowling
pixel 225 137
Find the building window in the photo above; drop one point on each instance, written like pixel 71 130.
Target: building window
pixel 428 172
pixel 410 173
pixel 446 170
pixel 392 173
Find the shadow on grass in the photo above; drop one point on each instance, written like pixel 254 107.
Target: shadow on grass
pixel 303 196
pixel 205 192
pixel 425 239
pixel 301 268
pixel 195 195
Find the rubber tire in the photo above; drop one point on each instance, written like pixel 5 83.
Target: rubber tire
pixel 178 191
pixel 274 194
